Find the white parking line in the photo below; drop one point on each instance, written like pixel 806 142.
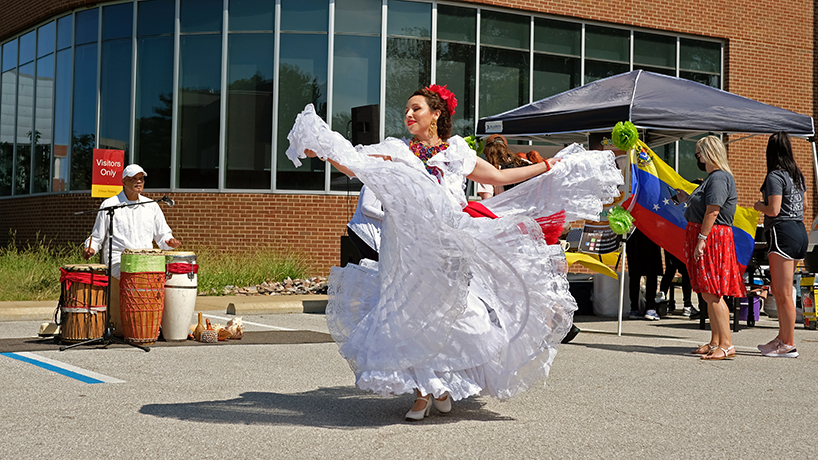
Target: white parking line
pixel 252 324
pixel 83 375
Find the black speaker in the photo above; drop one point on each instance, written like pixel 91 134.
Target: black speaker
pixel 349 253
pixel 365 125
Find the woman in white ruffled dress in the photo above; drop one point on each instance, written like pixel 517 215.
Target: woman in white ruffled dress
pixel 457 306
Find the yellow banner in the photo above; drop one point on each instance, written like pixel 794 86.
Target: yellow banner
pixel 105 191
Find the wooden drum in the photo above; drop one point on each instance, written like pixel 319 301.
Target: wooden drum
pixel 142 294
pixel 82 302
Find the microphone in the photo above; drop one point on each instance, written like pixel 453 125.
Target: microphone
pixel 168 200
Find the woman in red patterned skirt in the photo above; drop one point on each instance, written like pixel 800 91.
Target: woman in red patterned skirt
pixel 709 247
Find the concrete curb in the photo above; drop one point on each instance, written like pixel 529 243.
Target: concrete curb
pixel 231 305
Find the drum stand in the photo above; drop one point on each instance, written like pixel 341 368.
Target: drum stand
pixel 108 335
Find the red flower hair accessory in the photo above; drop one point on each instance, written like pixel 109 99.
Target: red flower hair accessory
pixel 446 95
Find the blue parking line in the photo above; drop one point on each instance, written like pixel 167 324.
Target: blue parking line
pixel 51 367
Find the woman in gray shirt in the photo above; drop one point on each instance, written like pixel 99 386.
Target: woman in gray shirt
pixel 783 209
pixel 709 247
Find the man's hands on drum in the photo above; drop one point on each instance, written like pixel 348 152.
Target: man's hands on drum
pixel 173 242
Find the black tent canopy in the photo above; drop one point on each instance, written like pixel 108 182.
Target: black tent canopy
pixel 663 108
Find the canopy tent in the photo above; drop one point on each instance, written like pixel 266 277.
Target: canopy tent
pixel 663 108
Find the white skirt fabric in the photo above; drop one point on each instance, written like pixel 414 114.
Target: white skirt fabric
pixel 456 304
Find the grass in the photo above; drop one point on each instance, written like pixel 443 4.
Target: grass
pixel 32 272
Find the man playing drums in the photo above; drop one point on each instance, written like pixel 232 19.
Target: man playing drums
pixel 135 227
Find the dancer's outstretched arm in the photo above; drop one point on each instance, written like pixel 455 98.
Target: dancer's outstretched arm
pixel 485 173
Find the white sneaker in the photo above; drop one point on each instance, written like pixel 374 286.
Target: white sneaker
pixel 660 297
pixel 782 350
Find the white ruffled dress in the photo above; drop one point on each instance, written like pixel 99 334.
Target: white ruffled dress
pixel 458 304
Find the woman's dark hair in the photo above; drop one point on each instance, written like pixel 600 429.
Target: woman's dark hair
pixel 435 102
pixel 779 156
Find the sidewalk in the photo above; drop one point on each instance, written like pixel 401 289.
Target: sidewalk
pixel 233 305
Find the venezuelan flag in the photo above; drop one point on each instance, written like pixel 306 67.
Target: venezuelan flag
pixel 657 215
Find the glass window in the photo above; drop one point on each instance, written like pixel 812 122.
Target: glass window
pixel 27 42
pixel 303 72
pixel 86 24
pixel 456 24
pixel 503 80
pixel 25 129
pixel 304 15
pixel 607 44
pixel 117 21
pixel 687 160
pixel 62 116
pixel 83 139
pixel 703 78
pixel 251 15
pixel 64 32
pixel 506 30
pixel 249 111
pixel 45 39
pixel 356 82
pixel 155 17
pixel 201 16
pixel 9 55
pixel 557 37
pixel 555 74
pixel 115 96
pixel 408 68
pixel 597 70
pixel 8 90
pixel 654 50
pixel 154 107
pixel 358 16
pixel 699 55
pixel 409 19
pixel 43 119
pixel 456 64
pixel 199 110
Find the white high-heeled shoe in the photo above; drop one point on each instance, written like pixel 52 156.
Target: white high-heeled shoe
pixel 444 406
pixel 416 416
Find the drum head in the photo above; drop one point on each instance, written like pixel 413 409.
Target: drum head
pixel 84 267
pixel 144 252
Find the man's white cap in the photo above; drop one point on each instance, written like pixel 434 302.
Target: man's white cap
pixel 132 170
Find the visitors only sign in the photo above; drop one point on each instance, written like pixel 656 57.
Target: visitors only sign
pixel 107 173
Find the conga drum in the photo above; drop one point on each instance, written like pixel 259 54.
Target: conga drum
pixel 142 294
pixel 82 302
pixel 181 284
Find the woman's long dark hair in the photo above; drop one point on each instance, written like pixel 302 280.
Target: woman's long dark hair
pixel 779 156
pixel 435 102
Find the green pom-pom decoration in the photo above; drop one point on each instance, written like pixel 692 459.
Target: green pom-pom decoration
pixel 625 136
pixel 620 220
pixel 474 143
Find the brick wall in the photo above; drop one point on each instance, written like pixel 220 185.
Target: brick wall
pixel 310 224
pixel 19 15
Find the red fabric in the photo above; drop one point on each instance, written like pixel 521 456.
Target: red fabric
pixel 82 277
pixel 717 271
pixel 475 209
pixel 551 225
pixel 182 268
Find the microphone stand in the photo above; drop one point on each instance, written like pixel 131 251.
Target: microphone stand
pixel 108 334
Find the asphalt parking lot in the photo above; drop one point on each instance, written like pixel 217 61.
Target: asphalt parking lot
pixel 284 392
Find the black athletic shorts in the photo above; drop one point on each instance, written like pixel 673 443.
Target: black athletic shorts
pixel 788 239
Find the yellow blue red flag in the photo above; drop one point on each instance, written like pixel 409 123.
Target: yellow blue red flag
pixel 657 215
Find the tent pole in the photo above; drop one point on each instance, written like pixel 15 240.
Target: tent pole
pixel 814 159
pixel 621 286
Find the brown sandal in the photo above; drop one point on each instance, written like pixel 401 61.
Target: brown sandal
pixel 704 349
pixel 726 354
